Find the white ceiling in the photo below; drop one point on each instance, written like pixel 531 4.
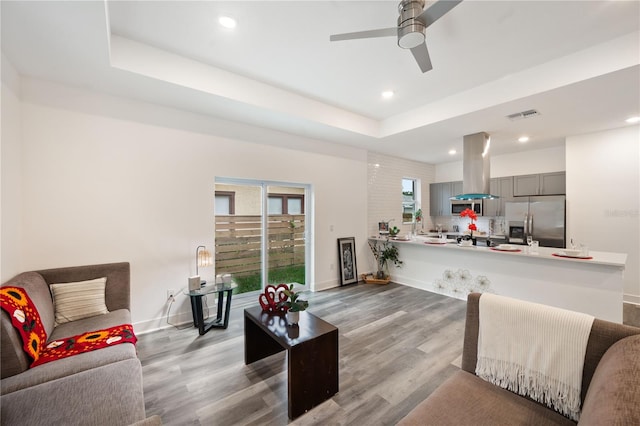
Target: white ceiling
pixel 576 62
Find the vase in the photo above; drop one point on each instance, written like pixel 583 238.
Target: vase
pixel 293 317
pixel 471 238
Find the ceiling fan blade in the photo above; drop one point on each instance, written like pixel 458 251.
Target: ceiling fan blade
pixel 383 32
pixel 421 53
pixel 436 11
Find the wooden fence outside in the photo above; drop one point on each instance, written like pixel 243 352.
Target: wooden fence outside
pixel 238 242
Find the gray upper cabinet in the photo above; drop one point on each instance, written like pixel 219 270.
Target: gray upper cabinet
pixel 526 185
pixel 434 199
pixel 440 197
pixel 503 188
pixel 540 184
pixel 553 183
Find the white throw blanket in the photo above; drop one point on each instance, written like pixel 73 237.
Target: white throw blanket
pixel 533 350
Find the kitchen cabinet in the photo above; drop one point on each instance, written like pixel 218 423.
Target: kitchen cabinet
pixel 437 193
pixel 440 197
pixel 553 183
pixel 503 188
pixel 539 184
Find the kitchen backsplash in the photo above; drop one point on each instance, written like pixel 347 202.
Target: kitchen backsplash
pixel 493 226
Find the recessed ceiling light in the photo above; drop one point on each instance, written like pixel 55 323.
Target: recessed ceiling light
pixel 523 139
pixel 452 152
pixel 632 120
pixel 387 94
pixel 227 22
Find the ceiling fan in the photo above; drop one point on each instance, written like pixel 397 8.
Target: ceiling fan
pixel 412 23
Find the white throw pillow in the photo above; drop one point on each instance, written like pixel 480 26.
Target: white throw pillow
pixel 75 301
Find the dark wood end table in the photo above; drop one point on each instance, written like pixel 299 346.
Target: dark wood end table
pixel 312 354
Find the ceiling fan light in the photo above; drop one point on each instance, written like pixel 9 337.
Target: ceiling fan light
pixel 411 39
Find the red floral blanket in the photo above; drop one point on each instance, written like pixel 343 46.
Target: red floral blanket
pixel 26 319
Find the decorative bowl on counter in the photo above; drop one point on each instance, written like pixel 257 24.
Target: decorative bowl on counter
pixel 571 252
pixel 432 240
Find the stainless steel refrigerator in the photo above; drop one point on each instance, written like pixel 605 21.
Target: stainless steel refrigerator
pixel 541 217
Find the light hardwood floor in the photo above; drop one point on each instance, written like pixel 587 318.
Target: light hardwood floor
pixel 396 345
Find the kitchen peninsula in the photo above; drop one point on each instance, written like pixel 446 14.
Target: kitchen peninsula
pixel 593 286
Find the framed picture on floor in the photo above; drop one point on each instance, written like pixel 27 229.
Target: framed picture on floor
pixel 347 256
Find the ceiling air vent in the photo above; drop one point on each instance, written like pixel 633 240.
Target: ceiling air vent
pixel 524 114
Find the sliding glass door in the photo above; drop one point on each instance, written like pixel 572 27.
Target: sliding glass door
pixel 286 234
pixel 261 232
pixel 239 234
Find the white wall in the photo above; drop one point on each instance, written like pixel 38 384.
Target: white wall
pixel 11 175
pixel 107 179
pixel 385 175
pixel 520 163
pixel 603 192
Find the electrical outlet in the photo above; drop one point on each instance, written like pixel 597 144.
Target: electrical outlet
pixel 171 294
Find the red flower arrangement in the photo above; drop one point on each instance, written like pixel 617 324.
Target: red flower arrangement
pixel 471 215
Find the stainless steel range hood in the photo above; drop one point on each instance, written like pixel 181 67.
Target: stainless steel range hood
pixel 475 168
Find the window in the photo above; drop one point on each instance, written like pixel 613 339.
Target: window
pixel 410 199
pixel 225 203
pixel 286 204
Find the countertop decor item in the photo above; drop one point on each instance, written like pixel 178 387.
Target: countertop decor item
pixel 272 297
pixel 472 226
pixel 293 305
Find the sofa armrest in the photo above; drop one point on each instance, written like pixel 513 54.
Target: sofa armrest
pixel 117 290
pixel 613 397
pixel 603 335
pixel 471 326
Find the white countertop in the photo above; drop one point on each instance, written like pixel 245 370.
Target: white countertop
pixel 598 257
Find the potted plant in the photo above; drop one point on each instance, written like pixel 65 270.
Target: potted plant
pixel 385 252
pixel 293 305
pixel 472 226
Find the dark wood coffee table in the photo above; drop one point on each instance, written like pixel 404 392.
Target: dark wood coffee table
pixel 312 354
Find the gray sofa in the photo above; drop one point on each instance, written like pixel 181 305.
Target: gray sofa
pixel 103 386
pixel 610 385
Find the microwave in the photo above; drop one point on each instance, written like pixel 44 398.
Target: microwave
pixel 457 206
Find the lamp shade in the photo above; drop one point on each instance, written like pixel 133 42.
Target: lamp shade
pixel 203 258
